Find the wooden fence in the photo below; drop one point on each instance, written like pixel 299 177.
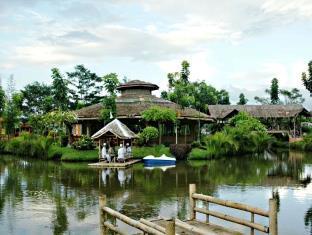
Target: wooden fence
pixel 145 226
pixel 271 214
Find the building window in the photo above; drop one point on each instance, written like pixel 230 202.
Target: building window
pixel 77 130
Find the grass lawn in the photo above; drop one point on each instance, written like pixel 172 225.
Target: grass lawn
pixel 73 155
pixel 157 151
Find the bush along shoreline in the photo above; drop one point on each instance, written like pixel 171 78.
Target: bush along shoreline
pixel 243 135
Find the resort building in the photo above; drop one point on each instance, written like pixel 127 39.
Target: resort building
pixel 278 118
pixel 135 97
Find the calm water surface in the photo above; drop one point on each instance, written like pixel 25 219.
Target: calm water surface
pixel 38 197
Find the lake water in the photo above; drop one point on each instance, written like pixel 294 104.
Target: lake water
pixel 39 197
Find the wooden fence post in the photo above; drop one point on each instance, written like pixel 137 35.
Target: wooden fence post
pixel 192 190
pixel 207 216
pixel 273 216
pixel 252 220
pixel 170 227
pixel 103 215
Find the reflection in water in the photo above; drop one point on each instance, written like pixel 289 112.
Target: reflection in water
pixel 308 219
pixel 59 220
pixel 69 192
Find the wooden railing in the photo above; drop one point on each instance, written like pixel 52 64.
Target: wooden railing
pixel 271 214
pixel 145 226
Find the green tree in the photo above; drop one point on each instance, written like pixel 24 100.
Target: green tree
pixel 159 115
pixel 86 86
pixel 242 99
pixel 56 122
pixel 223 97
pixel 37 99
pixel 2 101
pixel 274 91
pixel 292 96
pixel 111 83
pixel 12 111
pixel 185 71
pixel 307 78
pixel 60 90
pixel 262 100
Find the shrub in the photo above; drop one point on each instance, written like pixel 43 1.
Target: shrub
pixel 180 151
pixel 3 144
pixel 84 143
pixel 196 144
pixel 29 145
pixel 148 134
pixel 157 151
pixel 200 154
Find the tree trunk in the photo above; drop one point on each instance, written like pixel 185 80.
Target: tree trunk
pixel 160 132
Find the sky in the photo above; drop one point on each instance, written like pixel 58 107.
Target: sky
pixel 234 45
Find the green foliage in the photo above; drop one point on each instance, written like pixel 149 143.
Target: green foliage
pixel 37 99
pixel 180 151
pixel 159 114
pixel 274 91
pixel 307 78
pixel 246 123
pixel 148 134
pixel 84 143
pixel 242 99
pixel 110 110
pixel 192 94
pixel 86 86
pixel 223 97
pixel 2 101
pixel 304 145
pixel 110 83
pixel 60 90
pixel 200 154
pixel 292 96
pixel 12 113
pixel 29 145
pixel 73 155
pixel 109 102
pixel 157 151
pixel 244 134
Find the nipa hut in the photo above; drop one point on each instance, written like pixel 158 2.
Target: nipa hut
pixel 276 117
pixel 135 97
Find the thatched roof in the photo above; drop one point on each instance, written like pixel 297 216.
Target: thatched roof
pixel 258 111
pixel 131 106
pixel 137 84
pixel 116 128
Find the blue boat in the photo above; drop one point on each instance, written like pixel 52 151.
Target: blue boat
pixel 163 160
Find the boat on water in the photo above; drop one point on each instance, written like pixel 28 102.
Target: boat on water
pixel 163 168
pixel 163 160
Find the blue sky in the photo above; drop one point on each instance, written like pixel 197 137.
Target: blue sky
pixel 237 45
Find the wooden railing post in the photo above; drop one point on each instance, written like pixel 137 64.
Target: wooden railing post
pixel 207 216
pixel 103 215
pixel 252 219
pixel 273 216
pixel 192 190
pixel 170 227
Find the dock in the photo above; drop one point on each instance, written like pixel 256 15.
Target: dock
pixel 194 227
pixel 174 226
pixel 114 164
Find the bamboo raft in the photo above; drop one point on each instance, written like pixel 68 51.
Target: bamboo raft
pixel 108 218
pixel 114 164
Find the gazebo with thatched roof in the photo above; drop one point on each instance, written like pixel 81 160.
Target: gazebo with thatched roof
pixel 115 129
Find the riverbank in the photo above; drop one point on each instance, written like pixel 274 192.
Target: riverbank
pixel 73 155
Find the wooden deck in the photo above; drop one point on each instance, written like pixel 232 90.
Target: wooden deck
pixel 202 228
pixel 114 164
